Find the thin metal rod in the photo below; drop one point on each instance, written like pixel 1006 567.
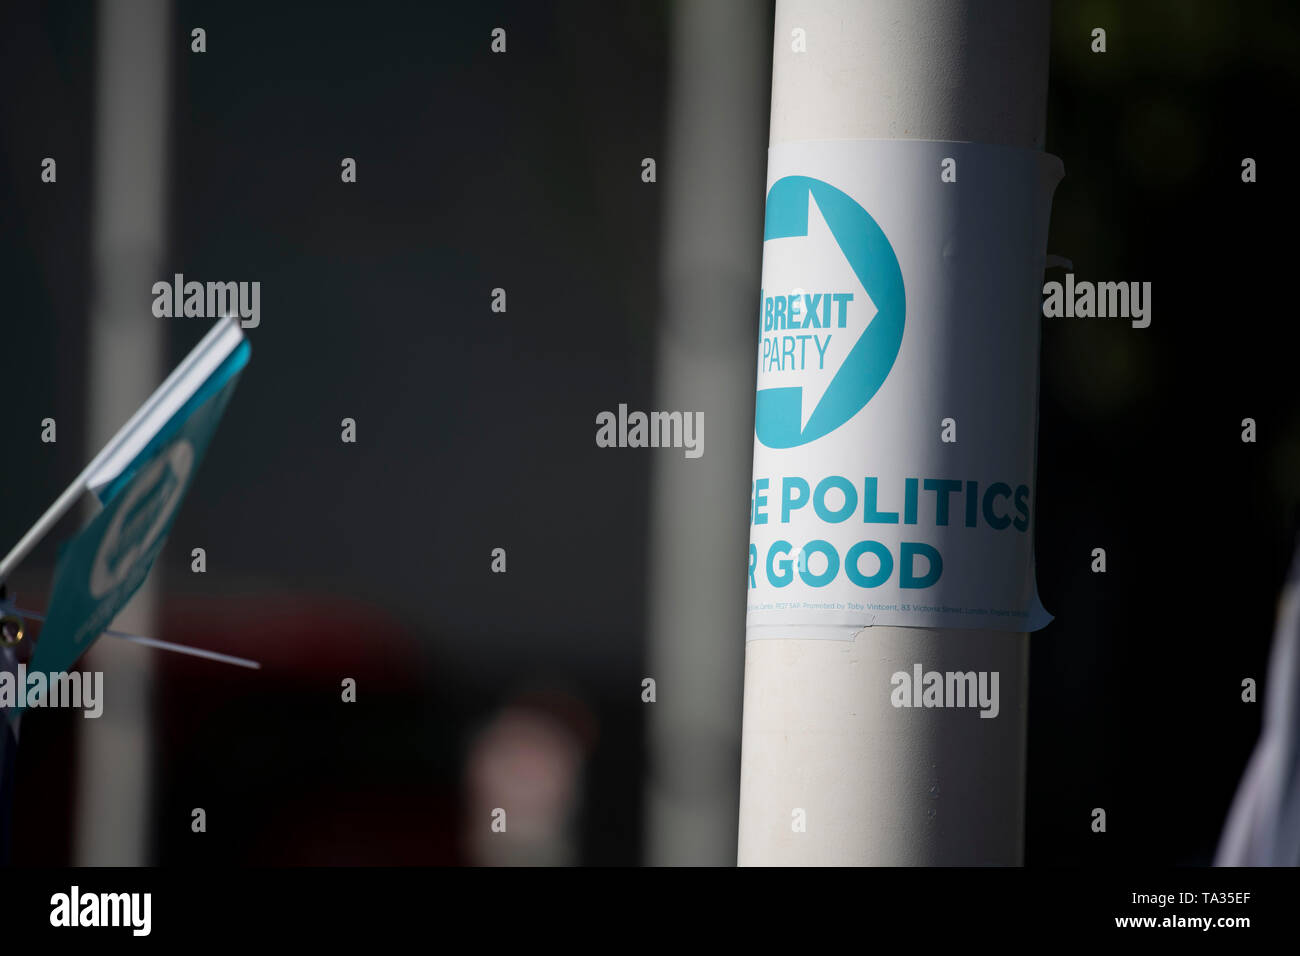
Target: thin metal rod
pixel 182 649
pixel 161 645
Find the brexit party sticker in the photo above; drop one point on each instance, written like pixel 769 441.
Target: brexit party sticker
pixel 895 419
pixel 100 569
pixel 828 343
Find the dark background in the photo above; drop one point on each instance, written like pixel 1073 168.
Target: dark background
pixel 476 429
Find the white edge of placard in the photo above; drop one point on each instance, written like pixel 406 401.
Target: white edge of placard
pixel 168 399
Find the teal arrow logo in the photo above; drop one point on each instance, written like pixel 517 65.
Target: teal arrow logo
pixel 778 419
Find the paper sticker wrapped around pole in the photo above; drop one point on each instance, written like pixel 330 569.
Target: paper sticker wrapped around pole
pixel 140 479
pixel 895 420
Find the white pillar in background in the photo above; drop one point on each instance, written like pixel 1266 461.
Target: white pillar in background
pixel 712 177
pixel 125 356
pixel 819 731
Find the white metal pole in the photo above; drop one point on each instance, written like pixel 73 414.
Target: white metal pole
pixel 819 732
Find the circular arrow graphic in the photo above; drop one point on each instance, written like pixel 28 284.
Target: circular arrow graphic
pixel 864 369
